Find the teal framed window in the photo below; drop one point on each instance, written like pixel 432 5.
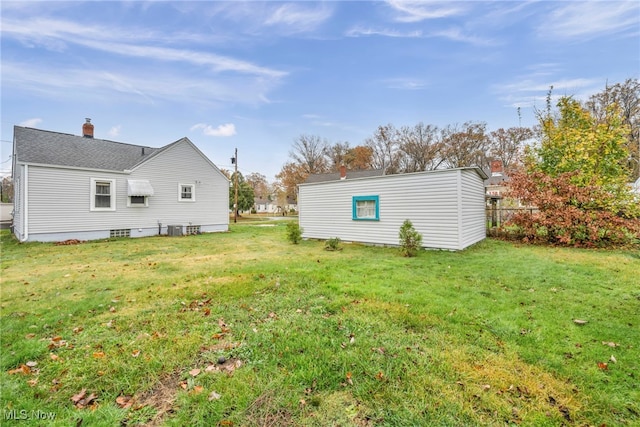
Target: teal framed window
pixel 366 208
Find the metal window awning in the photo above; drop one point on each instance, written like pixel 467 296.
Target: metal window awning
pixel 139 187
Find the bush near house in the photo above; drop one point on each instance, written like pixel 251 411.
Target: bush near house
pixel 294 232
pixel 410 239
pixel 570 214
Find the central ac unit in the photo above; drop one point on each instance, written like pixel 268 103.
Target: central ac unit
pixel 174 230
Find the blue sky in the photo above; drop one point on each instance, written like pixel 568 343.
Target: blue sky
pixel 256 75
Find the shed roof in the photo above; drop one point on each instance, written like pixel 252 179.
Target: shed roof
pixel 335 176
pixel 378 174
pixel 61 149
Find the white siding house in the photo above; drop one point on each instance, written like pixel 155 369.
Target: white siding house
pixel 74 187
pixel 446 206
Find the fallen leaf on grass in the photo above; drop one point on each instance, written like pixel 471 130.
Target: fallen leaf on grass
pixel 349 378
pixel 32 364
pixel 135 353
pixel 214 396
pixel 197 389
pixel 98 355
pixel 603 366
pixel 78 329
pixel 80 401
pixel 610 344
pixel 33 382
pixel 380 376
pixel 54 356
pixel 124 402
pixel 613 359
pixel 579 322
pixel 29 336
pixel 22 369
pixel 194 372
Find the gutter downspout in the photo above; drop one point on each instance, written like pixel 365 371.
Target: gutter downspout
pixel 25 206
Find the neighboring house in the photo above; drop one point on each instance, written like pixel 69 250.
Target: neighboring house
pixel 78 187
pixel 269 205
pixel 497 182
pixel 264 205
pixel 446 206
pixel 5 215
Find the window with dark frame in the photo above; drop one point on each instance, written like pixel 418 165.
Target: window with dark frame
pixel 186 192
pixel 138 200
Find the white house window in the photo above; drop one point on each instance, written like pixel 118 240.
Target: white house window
pixel 186 193
pixel 138 201
pixel 139 191
pixel 366 208
pixel 103 194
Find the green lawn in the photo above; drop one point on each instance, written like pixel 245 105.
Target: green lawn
pixel 245 329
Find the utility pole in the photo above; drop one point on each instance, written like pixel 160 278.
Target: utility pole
pixel 234 160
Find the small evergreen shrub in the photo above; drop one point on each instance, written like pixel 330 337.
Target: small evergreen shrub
pixel 294 232
pixel 333 244
pixel 410 239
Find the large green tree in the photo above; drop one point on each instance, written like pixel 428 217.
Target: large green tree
pixel 576 177
pixel 245 193
pixel 626 96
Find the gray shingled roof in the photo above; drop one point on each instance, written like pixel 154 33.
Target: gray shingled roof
pixel 335 176
pixel 61 149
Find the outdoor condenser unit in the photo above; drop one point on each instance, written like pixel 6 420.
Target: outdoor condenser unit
pixel 174 230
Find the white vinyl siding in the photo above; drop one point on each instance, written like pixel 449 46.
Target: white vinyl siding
pixel 433 201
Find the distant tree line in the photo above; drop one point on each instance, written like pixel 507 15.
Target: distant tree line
pixel 406 149
pixel 423 147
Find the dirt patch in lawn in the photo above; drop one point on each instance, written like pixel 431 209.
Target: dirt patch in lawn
pixel 161 398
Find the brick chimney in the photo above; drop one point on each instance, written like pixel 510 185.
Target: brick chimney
pixel 343 172
pixel 87 129
pixel 496 168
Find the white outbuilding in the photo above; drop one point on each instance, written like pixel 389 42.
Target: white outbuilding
pixel 446 206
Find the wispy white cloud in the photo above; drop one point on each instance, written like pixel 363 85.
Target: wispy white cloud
pixel 55 35
pixel 217 63
pixel 227 129
pixel 532 90
pixel 114 131
pixel 359 31
pixel 458 35
pixel 416 11
pixel 453 34
pixel 30 123
pixel 165 85
pixel 404 83
pixel 299 17
pixel 224 79
pixel 589 19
